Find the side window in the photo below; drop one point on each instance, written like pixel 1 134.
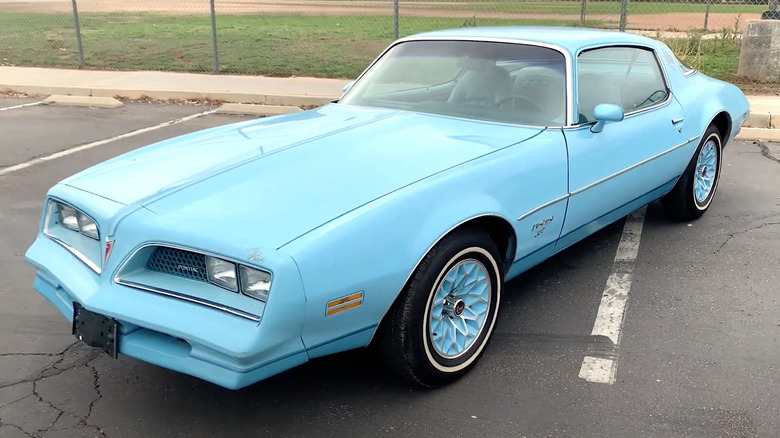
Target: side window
pixel 626 76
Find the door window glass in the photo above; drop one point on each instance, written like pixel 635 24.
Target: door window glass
pixel 626 76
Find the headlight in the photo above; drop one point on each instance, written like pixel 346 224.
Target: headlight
pixel 87 226
pixel 68 217
pixel 74 230
pixel 222 273
pixel 75 220
pixel 254 283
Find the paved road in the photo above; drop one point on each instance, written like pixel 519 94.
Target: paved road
pixel 699 353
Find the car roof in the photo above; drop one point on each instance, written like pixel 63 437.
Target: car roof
pixel 570 38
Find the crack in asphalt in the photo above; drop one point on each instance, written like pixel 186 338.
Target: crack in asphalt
pixel 765 151
pixel 46 371
pixel 51 371
pixel 96 385
pixel 18 428
pixel 13 401
pixel 28 354
pixel 736 233
pixel 51 405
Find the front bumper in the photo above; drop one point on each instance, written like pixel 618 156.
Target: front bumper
pixel 210 344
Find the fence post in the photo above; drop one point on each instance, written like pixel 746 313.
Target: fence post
pixel 582 13
pixel 623 12
pixel 707 15
pixel 395 18
pixel 213 36
pixel 78 33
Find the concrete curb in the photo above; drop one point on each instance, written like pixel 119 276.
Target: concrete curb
pixel 89 101
pixel 760 134
pixel 132 93
pixel 763 120
pixel 256 110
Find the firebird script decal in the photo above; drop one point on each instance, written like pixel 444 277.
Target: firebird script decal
pixel 541 226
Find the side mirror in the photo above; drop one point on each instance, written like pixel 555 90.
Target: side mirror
pixel 346 87
pixel 606 112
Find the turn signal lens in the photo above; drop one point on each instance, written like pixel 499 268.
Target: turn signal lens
pixel 222 273
pixel 254 283
pixel 107 252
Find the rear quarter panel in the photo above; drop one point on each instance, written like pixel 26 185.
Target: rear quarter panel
pixel 703 98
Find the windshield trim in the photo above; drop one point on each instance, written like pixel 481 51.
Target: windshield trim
pixel 448 116
pixel 566 55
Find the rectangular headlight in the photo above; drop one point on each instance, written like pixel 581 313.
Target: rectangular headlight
pixel 87 226
pixel 68 217
pixel 76 220
pixel 254 283
pixel 222 273
pixel 74 230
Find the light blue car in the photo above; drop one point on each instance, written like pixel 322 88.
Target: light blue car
pixel 456 161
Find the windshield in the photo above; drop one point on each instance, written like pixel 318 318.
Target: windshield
pixel 502 82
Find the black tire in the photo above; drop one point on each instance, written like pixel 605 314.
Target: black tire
pixel 406 341
pixel 681 203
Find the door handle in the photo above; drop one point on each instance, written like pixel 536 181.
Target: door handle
pixel 676 121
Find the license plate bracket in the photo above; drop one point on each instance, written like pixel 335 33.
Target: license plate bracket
pixel 95 330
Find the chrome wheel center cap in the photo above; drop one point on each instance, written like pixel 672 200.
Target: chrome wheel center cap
pixel 453 307
pixel 459 307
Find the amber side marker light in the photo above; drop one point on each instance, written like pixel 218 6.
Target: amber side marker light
pixel 344 303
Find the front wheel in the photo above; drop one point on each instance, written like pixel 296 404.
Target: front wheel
pixel 443 320
pixel 693 193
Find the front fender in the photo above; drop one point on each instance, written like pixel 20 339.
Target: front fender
pixel 349 256
pixel 375 248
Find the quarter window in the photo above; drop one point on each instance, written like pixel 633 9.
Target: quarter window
pixel 685 68
pixel 626 76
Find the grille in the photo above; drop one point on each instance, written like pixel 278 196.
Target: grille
pixel 178 262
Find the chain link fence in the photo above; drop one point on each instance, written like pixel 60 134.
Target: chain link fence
pixel 329 38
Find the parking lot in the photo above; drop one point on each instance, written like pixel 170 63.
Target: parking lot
pixel 699 352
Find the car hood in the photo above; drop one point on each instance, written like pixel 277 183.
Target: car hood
pixel 272 180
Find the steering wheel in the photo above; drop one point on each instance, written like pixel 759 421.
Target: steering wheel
pixel 518 103
pixel 479 101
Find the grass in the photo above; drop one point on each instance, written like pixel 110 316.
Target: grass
pixel 717 57
pixel 593 8
pixel 573 7
pixel 324 46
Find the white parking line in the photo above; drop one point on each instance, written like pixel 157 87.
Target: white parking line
pixel 84 147
pixel 612 310
pixel 20 106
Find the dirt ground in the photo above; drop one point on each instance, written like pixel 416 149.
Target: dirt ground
pixel 661 22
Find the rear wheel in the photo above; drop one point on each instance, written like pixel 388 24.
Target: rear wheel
pixel 443 319
pixel 693 193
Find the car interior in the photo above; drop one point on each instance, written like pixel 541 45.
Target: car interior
pixel 507 83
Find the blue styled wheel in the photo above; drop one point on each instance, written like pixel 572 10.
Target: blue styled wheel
pixel 706 171
pixel 443 319
pixel 459 308
pixel 694 191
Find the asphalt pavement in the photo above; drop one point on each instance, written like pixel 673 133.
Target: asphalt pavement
pixel 698 357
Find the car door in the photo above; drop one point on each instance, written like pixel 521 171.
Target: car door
pixel 628 163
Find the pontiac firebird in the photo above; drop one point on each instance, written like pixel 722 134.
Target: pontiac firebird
pixel 456 161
